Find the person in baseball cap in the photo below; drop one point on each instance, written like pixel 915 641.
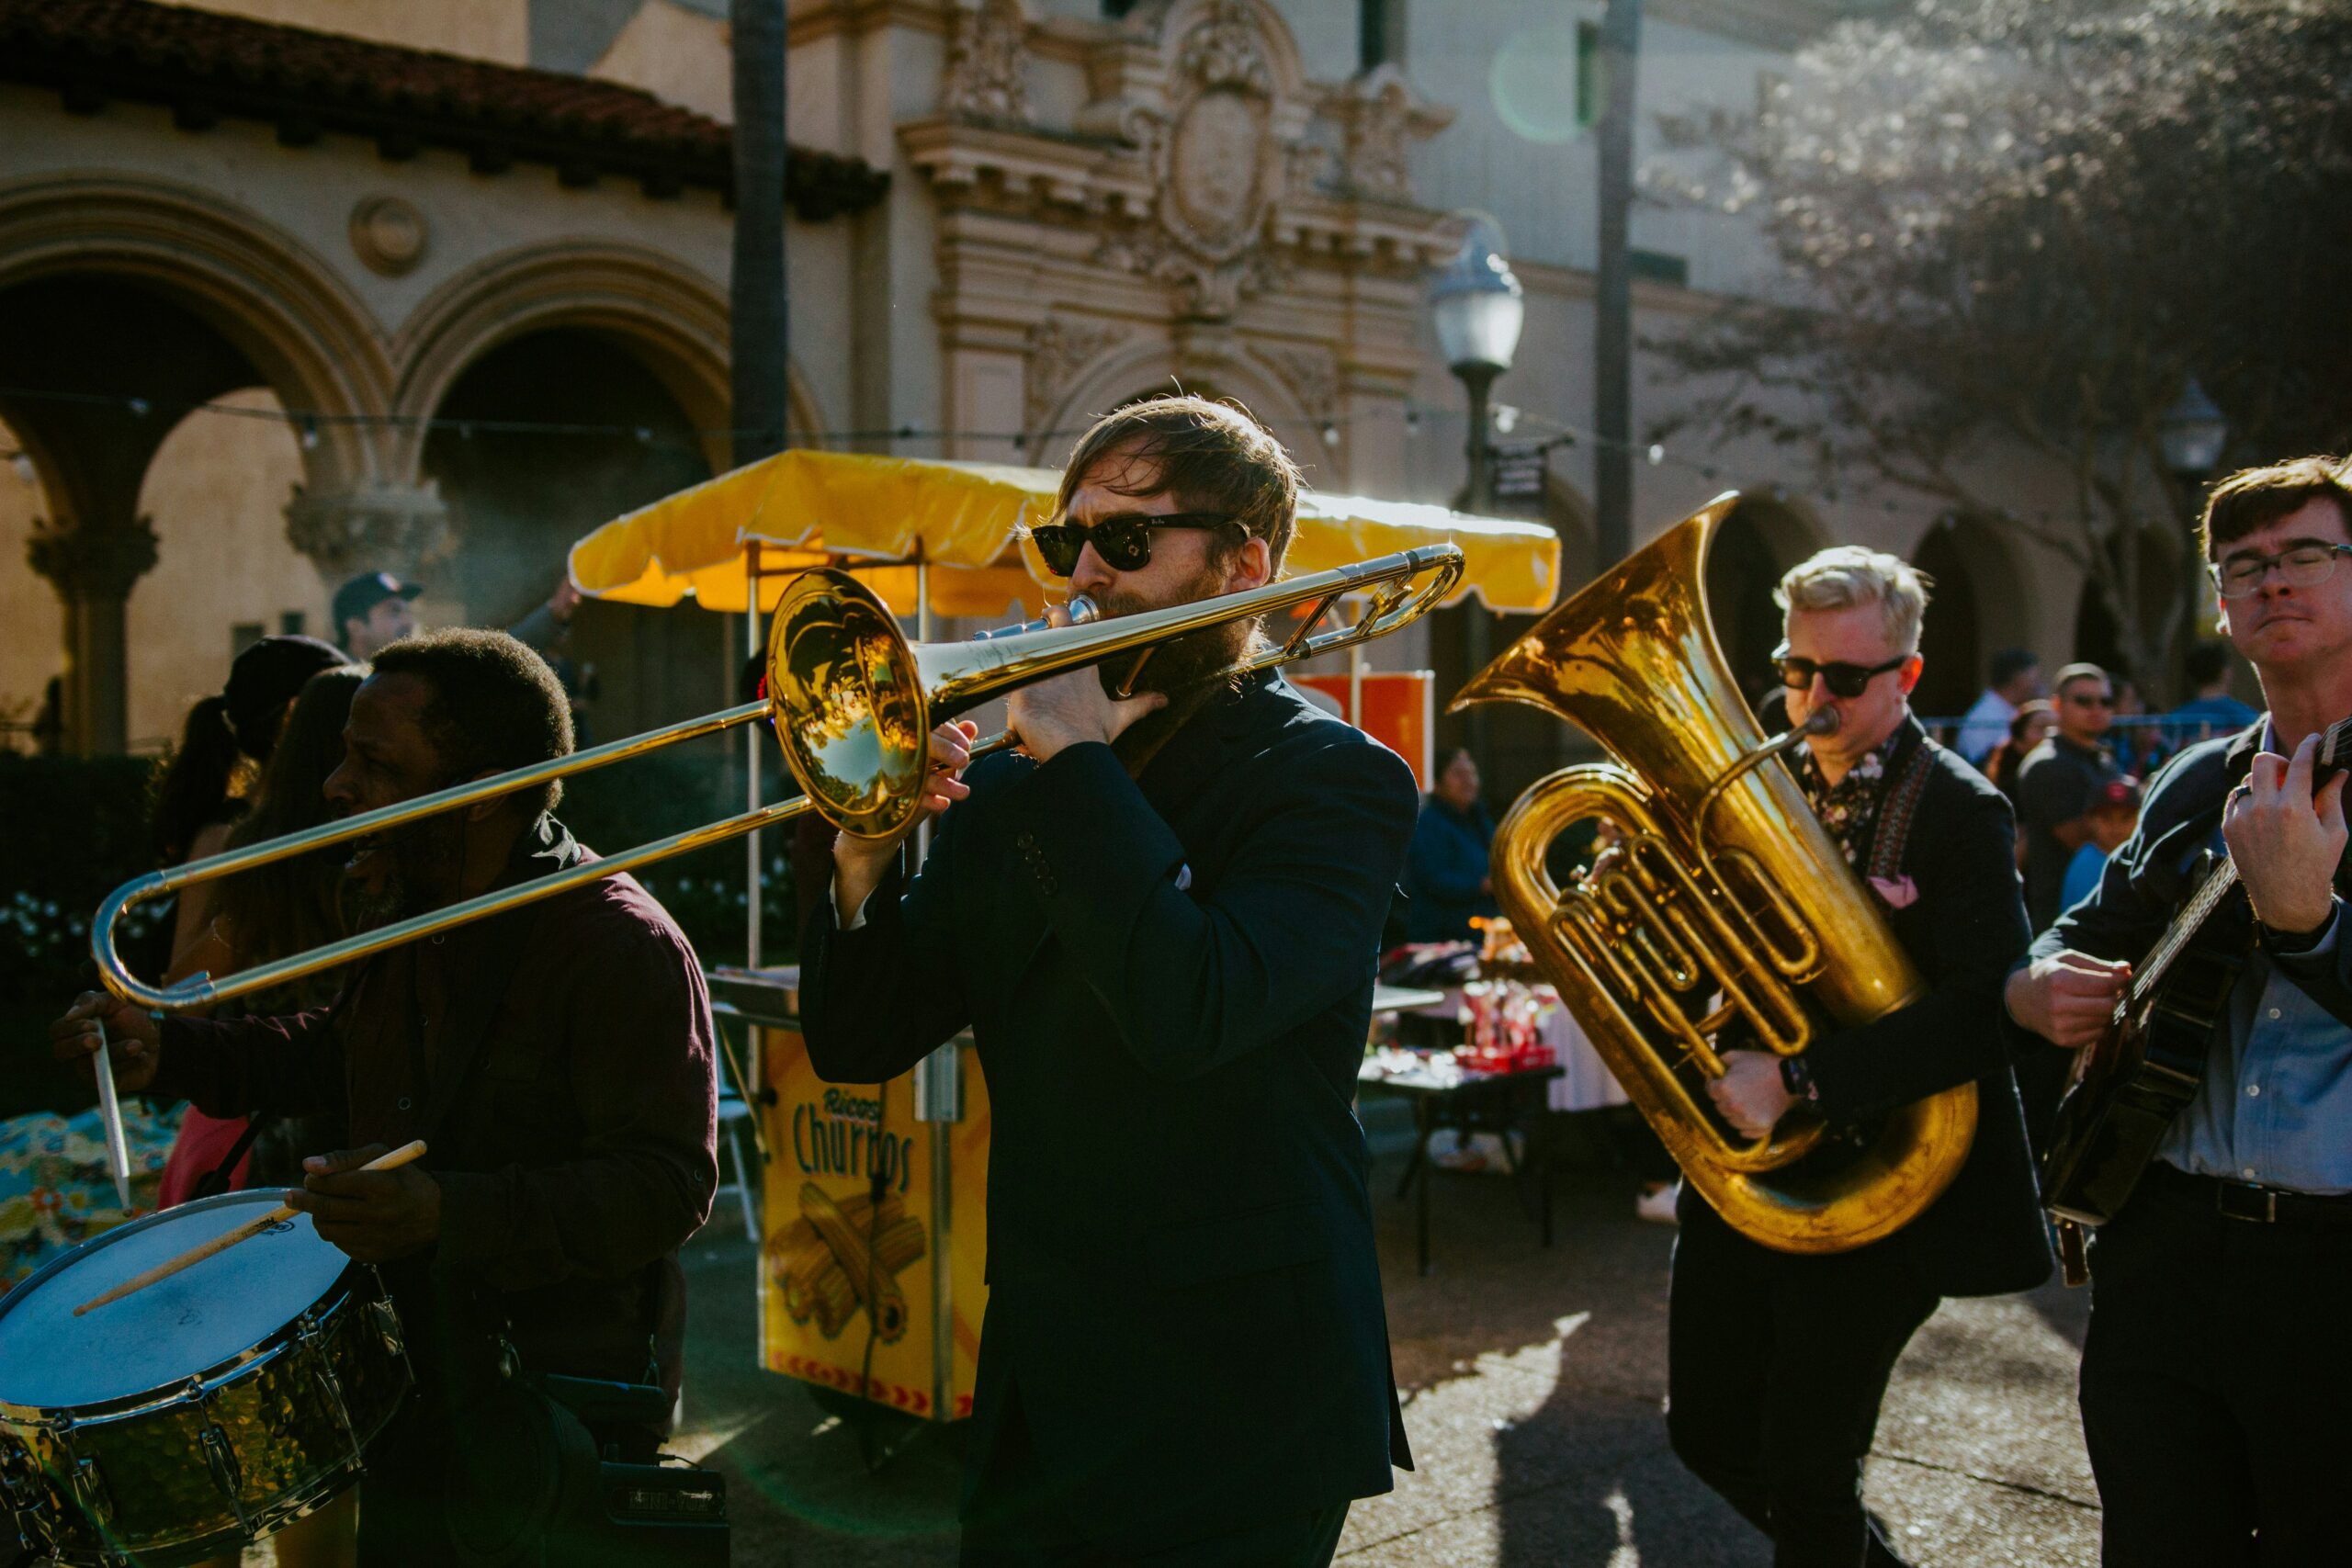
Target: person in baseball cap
pixel 372 611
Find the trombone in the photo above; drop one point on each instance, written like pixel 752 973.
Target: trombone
pixel 853 702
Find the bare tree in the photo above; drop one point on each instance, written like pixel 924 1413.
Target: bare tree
pixel 2017 228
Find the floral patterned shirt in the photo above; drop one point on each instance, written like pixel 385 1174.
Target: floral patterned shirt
pixel 1849 806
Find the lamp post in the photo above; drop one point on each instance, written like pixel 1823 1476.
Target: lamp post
pixel 2192 435
pixel 1477 307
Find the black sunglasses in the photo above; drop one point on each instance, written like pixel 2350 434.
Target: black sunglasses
pixel 1123 541
pixel 1843 679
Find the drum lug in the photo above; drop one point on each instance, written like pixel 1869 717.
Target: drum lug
pixel 27 1508
pixel 221 1459
pixel 388 1324
pixel 315 1356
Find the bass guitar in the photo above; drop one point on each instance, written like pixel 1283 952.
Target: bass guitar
pixel 2128 1086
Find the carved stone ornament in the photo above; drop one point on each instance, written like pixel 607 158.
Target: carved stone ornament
pixel 1219 152
pixel 1374 160
pixel 389 234
pixel 370 526
pixel 1060 352
pixel 986 61
pixel 1312 375
pixel 92 563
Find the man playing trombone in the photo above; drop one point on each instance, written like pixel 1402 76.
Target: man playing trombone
pixel 1161 923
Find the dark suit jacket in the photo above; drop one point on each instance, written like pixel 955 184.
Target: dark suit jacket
pixel 1169 981
pixel 1984 1236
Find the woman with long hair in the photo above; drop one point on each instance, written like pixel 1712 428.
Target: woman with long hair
pixel 226 738
pixel 275 911
pixel 269 912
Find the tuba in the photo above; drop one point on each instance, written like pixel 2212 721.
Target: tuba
pixel 1726 907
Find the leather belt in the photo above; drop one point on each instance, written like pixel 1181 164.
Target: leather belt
pixel 2251 1202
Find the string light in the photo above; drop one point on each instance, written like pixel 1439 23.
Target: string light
pixel 1506 417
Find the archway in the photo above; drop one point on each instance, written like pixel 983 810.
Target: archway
pixel 121 288
pixel 518 499
pixel 1754 545
pixel 1948 642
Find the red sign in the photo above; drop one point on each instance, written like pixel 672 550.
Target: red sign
pixel 1399 711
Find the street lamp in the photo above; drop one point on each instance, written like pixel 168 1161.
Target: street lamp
pixel 1477 309
pixel 2192 431
pixel 1477 306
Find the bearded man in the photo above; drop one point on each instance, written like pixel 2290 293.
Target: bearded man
pixel 1160 921
pixel 556 1060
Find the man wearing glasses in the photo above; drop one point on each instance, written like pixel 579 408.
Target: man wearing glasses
pixel 1776 1361
pixel 2214 1374
pixel 2059 784
pixel 1161 923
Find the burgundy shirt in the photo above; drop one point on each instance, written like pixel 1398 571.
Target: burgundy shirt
pixel 558 1061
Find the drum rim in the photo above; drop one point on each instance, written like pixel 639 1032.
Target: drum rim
pixel 54 1418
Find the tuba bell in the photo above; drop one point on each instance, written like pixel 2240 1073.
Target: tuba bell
pixel 1726 907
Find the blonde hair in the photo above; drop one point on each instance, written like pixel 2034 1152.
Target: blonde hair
pixel 1845 576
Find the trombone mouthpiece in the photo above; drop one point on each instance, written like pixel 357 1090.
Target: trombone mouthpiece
pixel 1824 721
pixel 1082 611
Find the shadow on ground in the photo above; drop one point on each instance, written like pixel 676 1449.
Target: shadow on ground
pixel 1533 1380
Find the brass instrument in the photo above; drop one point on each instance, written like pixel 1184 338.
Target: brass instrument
pixel 1725 888
pixel 853 702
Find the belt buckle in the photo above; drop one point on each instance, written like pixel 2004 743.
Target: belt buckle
pixel 2265 1213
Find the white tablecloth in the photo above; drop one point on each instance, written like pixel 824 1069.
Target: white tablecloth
pixel 1585 1082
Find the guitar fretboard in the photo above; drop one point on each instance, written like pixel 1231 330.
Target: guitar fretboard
pixel 2218 885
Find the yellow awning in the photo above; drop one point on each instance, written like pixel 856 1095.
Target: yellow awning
pixel 806 508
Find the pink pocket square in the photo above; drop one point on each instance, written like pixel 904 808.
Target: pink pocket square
pixel 1900 891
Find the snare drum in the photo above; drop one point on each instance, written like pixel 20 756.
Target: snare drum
pixel 203 1412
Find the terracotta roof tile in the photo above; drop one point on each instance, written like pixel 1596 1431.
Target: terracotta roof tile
pixel 207 64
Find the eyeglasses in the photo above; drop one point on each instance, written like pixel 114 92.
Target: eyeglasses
pixel 2088 699
pixel 1123 541
pixel 1843 679
pixel 2299 566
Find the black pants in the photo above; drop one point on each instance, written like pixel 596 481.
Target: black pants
pixel 2217 1387
pixel 1775 1367
pixel 1015 1517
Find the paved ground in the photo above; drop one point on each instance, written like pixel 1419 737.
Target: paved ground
pixel 1534 1383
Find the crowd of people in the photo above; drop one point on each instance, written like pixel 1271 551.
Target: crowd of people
pixel 1159 920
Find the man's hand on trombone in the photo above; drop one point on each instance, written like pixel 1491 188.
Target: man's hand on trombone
pixel 859 864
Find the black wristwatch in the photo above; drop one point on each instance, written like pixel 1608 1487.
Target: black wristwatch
pixel 2294 944
pixel 1796 1076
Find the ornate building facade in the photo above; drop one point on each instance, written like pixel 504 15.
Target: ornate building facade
pixel 453 279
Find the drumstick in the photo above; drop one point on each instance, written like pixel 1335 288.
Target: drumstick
pixel 228 1239
pixel 110 1112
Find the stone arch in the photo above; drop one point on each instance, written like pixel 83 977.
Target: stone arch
pixel 670 317
pixel 1981 603
pixel 1762 537
pixel 1120 374
pixel 311 337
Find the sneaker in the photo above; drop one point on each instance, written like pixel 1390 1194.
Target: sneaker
pixel 1656 1203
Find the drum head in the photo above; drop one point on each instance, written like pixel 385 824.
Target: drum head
pixel 176 1328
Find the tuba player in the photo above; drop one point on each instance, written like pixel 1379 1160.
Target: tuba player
pixel 1776 1361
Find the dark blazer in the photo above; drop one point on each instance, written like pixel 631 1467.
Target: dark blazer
pixel 1965 929
pixel 1169 982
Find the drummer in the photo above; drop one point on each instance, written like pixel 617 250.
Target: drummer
pixel 556 1060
